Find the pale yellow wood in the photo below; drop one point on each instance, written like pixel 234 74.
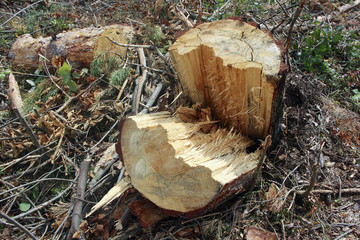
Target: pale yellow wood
pixel 231 67
pixel 178 167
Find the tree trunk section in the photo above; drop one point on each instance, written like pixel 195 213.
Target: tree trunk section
pixel 184 167
pixel 235 69
pixel 79 47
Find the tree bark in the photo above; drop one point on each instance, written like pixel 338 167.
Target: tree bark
pixel 79 47
pixel 235 69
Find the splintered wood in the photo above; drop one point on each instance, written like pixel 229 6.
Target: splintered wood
pixel 178 167
pixel 235 69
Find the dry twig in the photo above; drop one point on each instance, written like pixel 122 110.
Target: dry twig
pixel 152 98
pixel 16 223
pixel 301 6
pixel 80 192
pixel 141 80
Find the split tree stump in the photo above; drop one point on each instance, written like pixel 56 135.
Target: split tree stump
pixel 79 46
pixel 235 69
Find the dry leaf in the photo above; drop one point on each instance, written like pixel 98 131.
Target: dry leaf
pixel 257 233
pixel 276 198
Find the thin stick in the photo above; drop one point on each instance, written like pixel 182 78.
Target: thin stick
pixel 282 7
pixel 43 204
pixel 13 138
pixel 306 193
pixel 24 229
pixel 122 89
pixel 43 59
pixel 102 139
pixel 20 12
pixel 301 6
pixel 79 94
pixel 325 191
pixel 129 45
pixel 27 127
pixel 142 79
pixel 36 181
pixel 80 192
pixel 152 98
pixel 344 234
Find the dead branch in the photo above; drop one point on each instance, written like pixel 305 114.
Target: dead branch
pixel 301 6
pixel 152 99
pixel 129 45
pixel 44 204
pixel 141 80
pixel 328 191
pixel 78 95
pixel 183 18
pixel 27 127
pixel 348 7
pixel 306 193
pixel 16 223
pixel 13 16
pixel 78 206
pixel 44 60
pixel 102 139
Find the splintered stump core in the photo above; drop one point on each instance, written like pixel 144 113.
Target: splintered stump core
pixel 235 69
pixel 178 167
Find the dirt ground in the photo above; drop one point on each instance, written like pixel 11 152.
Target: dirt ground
pixel 319 147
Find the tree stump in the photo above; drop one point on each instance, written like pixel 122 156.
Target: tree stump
pixel 235 69
pixel 179 166
pixel 79 47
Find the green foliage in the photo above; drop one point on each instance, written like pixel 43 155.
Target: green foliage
pixel 4 73
pixel 104 64
pixel 24 206
pixel 333 55
pixel 37 92
pixel 36 192
pixel 154 34
pixel 65 73
pixel 118 76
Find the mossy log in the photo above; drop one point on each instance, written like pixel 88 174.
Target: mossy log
pixel 79 47
pixel 237 70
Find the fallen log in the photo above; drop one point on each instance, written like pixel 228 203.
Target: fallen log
pixel 79 47
pixel 235 69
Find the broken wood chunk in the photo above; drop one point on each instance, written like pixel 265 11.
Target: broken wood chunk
pixel 180 168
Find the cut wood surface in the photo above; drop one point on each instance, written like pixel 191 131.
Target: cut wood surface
pixel 79 46
pixel 235 69
pixel 180 168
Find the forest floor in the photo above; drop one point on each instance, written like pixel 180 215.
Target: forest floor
pixel 320 137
